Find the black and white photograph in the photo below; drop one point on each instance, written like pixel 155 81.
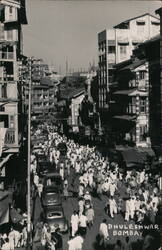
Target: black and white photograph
pixel 80 125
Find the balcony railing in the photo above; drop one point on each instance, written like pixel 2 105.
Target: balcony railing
pixel 6 55
pixel 10 137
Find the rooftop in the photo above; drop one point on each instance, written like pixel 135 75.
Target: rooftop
pixel 71 92
pixel 133 18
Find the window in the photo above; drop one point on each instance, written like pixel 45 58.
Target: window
pixel 9 35
pixel 10 10
pixel 140 27
pixel 1 32
pixel 142 74
pixel 111 49
pixel 155 23
pixel 143 132
pixel 142 105
pixel 4 90
pixel 12 121
pixel 123 50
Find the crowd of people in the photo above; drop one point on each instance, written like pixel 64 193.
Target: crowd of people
pixel 134 194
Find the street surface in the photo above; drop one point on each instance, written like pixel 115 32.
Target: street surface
pixel 71 204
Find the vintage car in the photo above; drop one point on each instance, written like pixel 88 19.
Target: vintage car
pixel 54 217
pixel 53 180
pixel 43 165
pixel 51 196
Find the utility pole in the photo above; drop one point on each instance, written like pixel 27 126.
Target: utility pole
pixel 29 167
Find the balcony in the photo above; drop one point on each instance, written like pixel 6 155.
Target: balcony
pixel 6 55
pixel 10 136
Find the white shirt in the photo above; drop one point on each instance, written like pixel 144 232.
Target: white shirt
pixel 83 221
pixel 74 219
pixel 103 230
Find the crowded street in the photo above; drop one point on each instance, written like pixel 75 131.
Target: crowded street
pixel 91 182
pixel 80 125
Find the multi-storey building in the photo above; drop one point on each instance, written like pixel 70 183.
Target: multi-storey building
pixel 44 98
pixel 116 45
pixel 12 16
pixel 130 102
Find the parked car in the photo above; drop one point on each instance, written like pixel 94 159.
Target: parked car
pixel 51 196
pixel 54 217
pixel 53 180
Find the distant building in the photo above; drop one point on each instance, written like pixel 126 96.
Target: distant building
pixel 68 109
pixel 44 98
pixel 116 45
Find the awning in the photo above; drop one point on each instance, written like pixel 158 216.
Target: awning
pixel 124 92
pixel 125 117
pixel 133 157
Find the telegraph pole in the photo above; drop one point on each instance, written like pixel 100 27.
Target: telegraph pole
pixel 29 167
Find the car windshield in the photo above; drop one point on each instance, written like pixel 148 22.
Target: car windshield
pixel 52 181
pixel 53 215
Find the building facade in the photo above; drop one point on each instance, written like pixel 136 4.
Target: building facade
pixel 44 98
pixel 116 45
pixel 130 103
pixel 12 16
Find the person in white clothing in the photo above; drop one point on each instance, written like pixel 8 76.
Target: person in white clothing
pixel 74 223
pixel 113 206
pixel 6 245
pixel 103 232
pixel 11 237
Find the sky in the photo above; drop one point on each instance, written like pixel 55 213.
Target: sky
pixel 67 30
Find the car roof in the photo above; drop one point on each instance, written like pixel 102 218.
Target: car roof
pixel 52 175
pixel 50 189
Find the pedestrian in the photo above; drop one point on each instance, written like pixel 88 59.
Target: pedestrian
pixel 48 238
pixel 11 237
pixel 43 234
pixel 103 233
pixel 83 224
pixel 79 242
pixel 74 223
pixel 6 245
pixel 118 245
pixel 40 188
pixel 90 216
pixel 24 235
pixel 57 237
pixel 112 206
pixel 81 205
pixel 17 238
pixel 65 189
pixel 127 244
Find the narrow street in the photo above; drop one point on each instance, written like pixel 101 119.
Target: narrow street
pixel 71 204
